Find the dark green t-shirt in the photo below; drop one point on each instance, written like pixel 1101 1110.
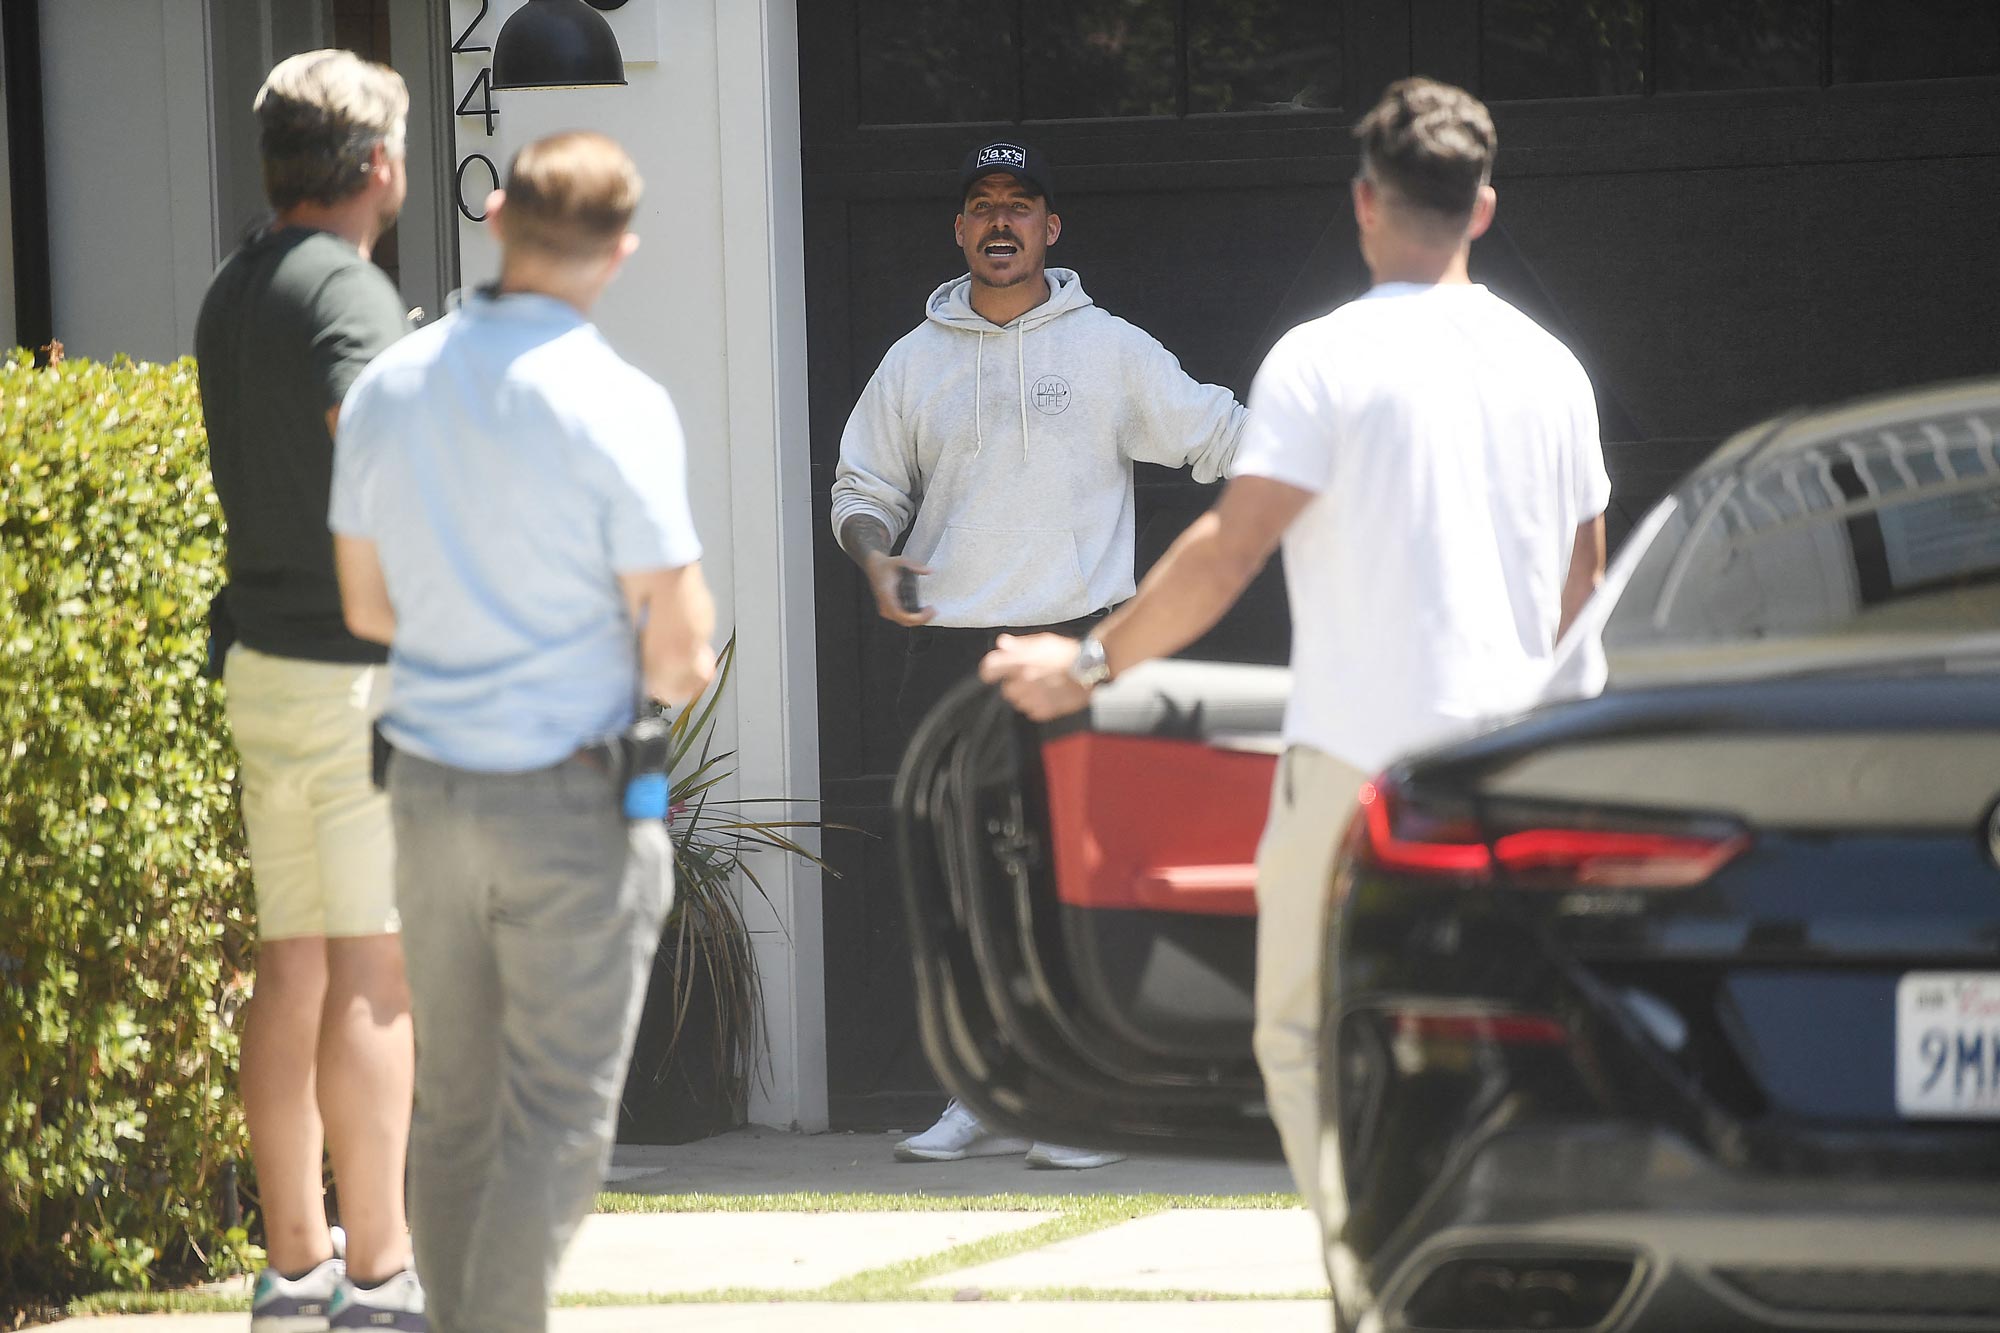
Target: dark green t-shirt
pixel 291 318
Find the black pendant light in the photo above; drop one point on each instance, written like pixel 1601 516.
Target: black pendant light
pixel 557 44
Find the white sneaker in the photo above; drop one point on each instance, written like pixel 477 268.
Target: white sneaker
pixel 1052 1156
pixel 279 1304
pixel 956 1136
pixel 396 1304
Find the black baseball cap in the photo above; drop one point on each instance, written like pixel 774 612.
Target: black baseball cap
pixel 1017 160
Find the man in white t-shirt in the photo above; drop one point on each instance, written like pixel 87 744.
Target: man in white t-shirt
pixel 1429 457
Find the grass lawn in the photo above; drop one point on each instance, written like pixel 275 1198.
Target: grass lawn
pixel 1073 1215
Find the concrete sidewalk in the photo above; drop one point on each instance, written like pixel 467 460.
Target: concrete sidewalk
pixel 769 1161
pixel 980 1268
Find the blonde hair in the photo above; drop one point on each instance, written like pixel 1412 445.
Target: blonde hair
pixel 320 115
pixel 570 195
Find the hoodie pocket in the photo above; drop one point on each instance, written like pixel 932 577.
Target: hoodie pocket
pixel 1000 577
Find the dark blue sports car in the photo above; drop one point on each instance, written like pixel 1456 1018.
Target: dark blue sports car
pixel 1673 1004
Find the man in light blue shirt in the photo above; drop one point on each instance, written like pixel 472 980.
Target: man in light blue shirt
pixel 510 515
pixel 506 467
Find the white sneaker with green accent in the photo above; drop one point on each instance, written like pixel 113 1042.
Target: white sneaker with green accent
pixel 396 1304
pixel 956 1136
pixel 279 1304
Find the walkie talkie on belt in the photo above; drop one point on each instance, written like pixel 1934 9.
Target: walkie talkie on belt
pixel 644 750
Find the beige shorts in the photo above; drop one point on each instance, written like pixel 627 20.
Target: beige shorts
pixel 321 851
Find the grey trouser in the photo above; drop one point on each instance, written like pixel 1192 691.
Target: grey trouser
pixel 531 910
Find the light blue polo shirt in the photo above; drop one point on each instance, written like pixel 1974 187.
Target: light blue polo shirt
pixel 508 466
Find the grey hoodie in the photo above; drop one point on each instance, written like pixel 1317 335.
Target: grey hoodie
pixel 1012 448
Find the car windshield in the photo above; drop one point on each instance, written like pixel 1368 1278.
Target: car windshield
pixel 1880 542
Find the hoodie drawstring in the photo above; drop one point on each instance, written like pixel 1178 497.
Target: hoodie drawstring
pixel 978 383
pixel 1021 382
pixel 1020 388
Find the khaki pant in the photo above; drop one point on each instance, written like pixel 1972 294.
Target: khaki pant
pixel 1311 800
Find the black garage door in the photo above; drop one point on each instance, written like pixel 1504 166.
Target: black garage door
pixel 1725 207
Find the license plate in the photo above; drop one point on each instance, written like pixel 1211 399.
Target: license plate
pixel 1948 1045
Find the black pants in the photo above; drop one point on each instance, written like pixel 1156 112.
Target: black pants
pixel 937 658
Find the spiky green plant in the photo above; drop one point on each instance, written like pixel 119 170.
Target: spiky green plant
pixel 717 844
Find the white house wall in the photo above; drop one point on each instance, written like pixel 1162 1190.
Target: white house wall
pixel 772 517
pixel 132 238
pixel 713 306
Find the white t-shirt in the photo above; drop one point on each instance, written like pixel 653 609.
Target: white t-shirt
pixel 1452 446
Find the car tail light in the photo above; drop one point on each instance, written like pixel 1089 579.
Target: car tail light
pixel 1611 859
pixel 1423 838
pixel 1493 1027
pixel 1424 1036
pixel 1537 847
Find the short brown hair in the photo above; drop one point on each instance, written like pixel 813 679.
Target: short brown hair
pixel 319 116
pixel 1431 143
pixel 570 195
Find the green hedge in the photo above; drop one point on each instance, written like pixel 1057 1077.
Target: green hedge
pixel 123 883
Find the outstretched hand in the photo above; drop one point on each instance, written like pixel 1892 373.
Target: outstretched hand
pixel 886 575
pixel 1033 675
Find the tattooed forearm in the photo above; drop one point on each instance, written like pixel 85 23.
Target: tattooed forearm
pixel 863 537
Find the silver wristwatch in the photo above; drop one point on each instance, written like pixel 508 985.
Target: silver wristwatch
pixel 1090 669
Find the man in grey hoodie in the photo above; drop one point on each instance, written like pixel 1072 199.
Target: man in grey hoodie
pixel 997 440
pixel 1000 436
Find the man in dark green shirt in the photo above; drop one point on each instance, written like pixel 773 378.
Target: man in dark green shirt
pixel 290 320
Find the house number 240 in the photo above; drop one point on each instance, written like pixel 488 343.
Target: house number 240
pixel 482 89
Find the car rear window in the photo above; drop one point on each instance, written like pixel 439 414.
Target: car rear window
pixel 1890 532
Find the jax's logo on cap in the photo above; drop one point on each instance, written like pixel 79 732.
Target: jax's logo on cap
pixel 1001 155
pixel 1015 159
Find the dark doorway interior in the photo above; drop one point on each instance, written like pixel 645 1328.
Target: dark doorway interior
pixel 1724 208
